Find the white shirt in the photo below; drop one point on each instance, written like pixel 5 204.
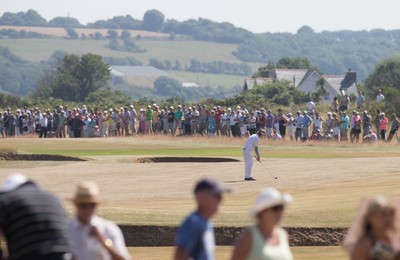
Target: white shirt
pixel 380 98
pixel 233 119
pixel 86 247
pixel 310 106
pixel 43 121
pixel 251 143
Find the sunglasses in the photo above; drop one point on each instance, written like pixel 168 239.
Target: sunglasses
pixel 87 205
pixel 215 195
pixel 278 208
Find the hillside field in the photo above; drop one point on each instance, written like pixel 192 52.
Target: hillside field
pixel 157 46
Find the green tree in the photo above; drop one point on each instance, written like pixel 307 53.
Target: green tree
pixel 386 74
pixel 76 77
pixel 112 34
pixel 64 22
pixel 32 18
pixel 166 86
pixel 125 35
pixel 294 63
pixel 72 34
pixel 92 74
pixel 11 19
pixel 305 30
pixel 153 20
pixel 108 98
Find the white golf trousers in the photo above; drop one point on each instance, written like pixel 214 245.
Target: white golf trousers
pixel 248 163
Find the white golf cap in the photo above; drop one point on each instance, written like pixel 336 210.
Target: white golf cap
pixel 13 181
pixel 268 198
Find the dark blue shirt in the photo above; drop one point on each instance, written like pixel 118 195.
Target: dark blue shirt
pixel 196 236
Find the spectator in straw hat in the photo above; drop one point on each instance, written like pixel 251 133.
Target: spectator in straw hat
pixel 94 237
pixel 266 239
pixel 33 221
pixel 195 238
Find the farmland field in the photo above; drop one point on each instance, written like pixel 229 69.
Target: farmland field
pixel 327 181
pixel 184 51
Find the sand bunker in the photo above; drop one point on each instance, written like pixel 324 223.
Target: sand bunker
pixel 184 160
pixel 37 157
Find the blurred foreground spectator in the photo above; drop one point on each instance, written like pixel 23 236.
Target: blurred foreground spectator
pixel 373 233
pixel 195 238
pixel 94 237
pixel 32 221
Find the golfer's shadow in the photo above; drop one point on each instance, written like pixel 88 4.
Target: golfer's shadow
pixel 233 181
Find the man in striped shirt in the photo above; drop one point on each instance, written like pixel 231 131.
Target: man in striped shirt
pixel 32 221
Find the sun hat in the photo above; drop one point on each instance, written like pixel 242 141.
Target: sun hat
pixel 210 185
pixel 12 182
pixel 268 198
pixel 87 192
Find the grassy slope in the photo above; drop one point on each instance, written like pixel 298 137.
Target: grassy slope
pixel 183 51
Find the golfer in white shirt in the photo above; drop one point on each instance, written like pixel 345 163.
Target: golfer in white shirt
pixel 250 145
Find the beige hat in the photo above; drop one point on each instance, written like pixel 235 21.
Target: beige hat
pixel 87 192
pixel 269 198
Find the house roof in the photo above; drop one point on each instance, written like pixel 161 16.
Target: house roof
pixel 292 75
pixel 144 71
pixel 251 82
pixel 341 84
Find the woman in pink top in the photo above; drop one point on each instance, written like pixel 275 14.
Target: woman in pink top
pixel 383 123
pixel 356 127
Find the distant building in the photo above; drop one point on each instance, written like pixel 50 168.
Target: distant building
pixel 142 71
pixel 189 85
pixel 251 82
pixel 308 81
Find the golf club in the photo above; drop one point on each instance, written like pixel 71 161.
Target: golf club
pixel 275 177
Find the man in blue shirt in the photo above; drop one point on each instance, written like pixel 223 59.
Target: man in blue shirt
pixel 195 238
pixel 299 126
pixel 344 126
pixel 307 121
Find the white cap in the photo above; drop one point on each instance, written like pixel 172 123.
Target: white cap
pixel 269 198
pixel 13 181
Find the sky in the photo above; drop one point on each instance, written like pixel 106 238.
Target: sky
pixel 258 16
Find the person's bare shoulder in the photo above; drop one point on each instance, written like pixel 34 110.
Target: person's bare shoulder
pixel 362 248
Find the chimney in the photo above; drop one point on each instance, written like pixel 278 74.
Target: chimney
pixel 268 74
pixel 351 76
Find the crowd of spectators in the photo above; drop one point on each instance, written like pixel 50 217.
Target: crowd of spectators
pixel 340 124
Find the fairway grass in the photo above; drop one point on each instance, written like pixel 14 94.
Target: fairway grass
pixel 327 181
pixel 224 252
